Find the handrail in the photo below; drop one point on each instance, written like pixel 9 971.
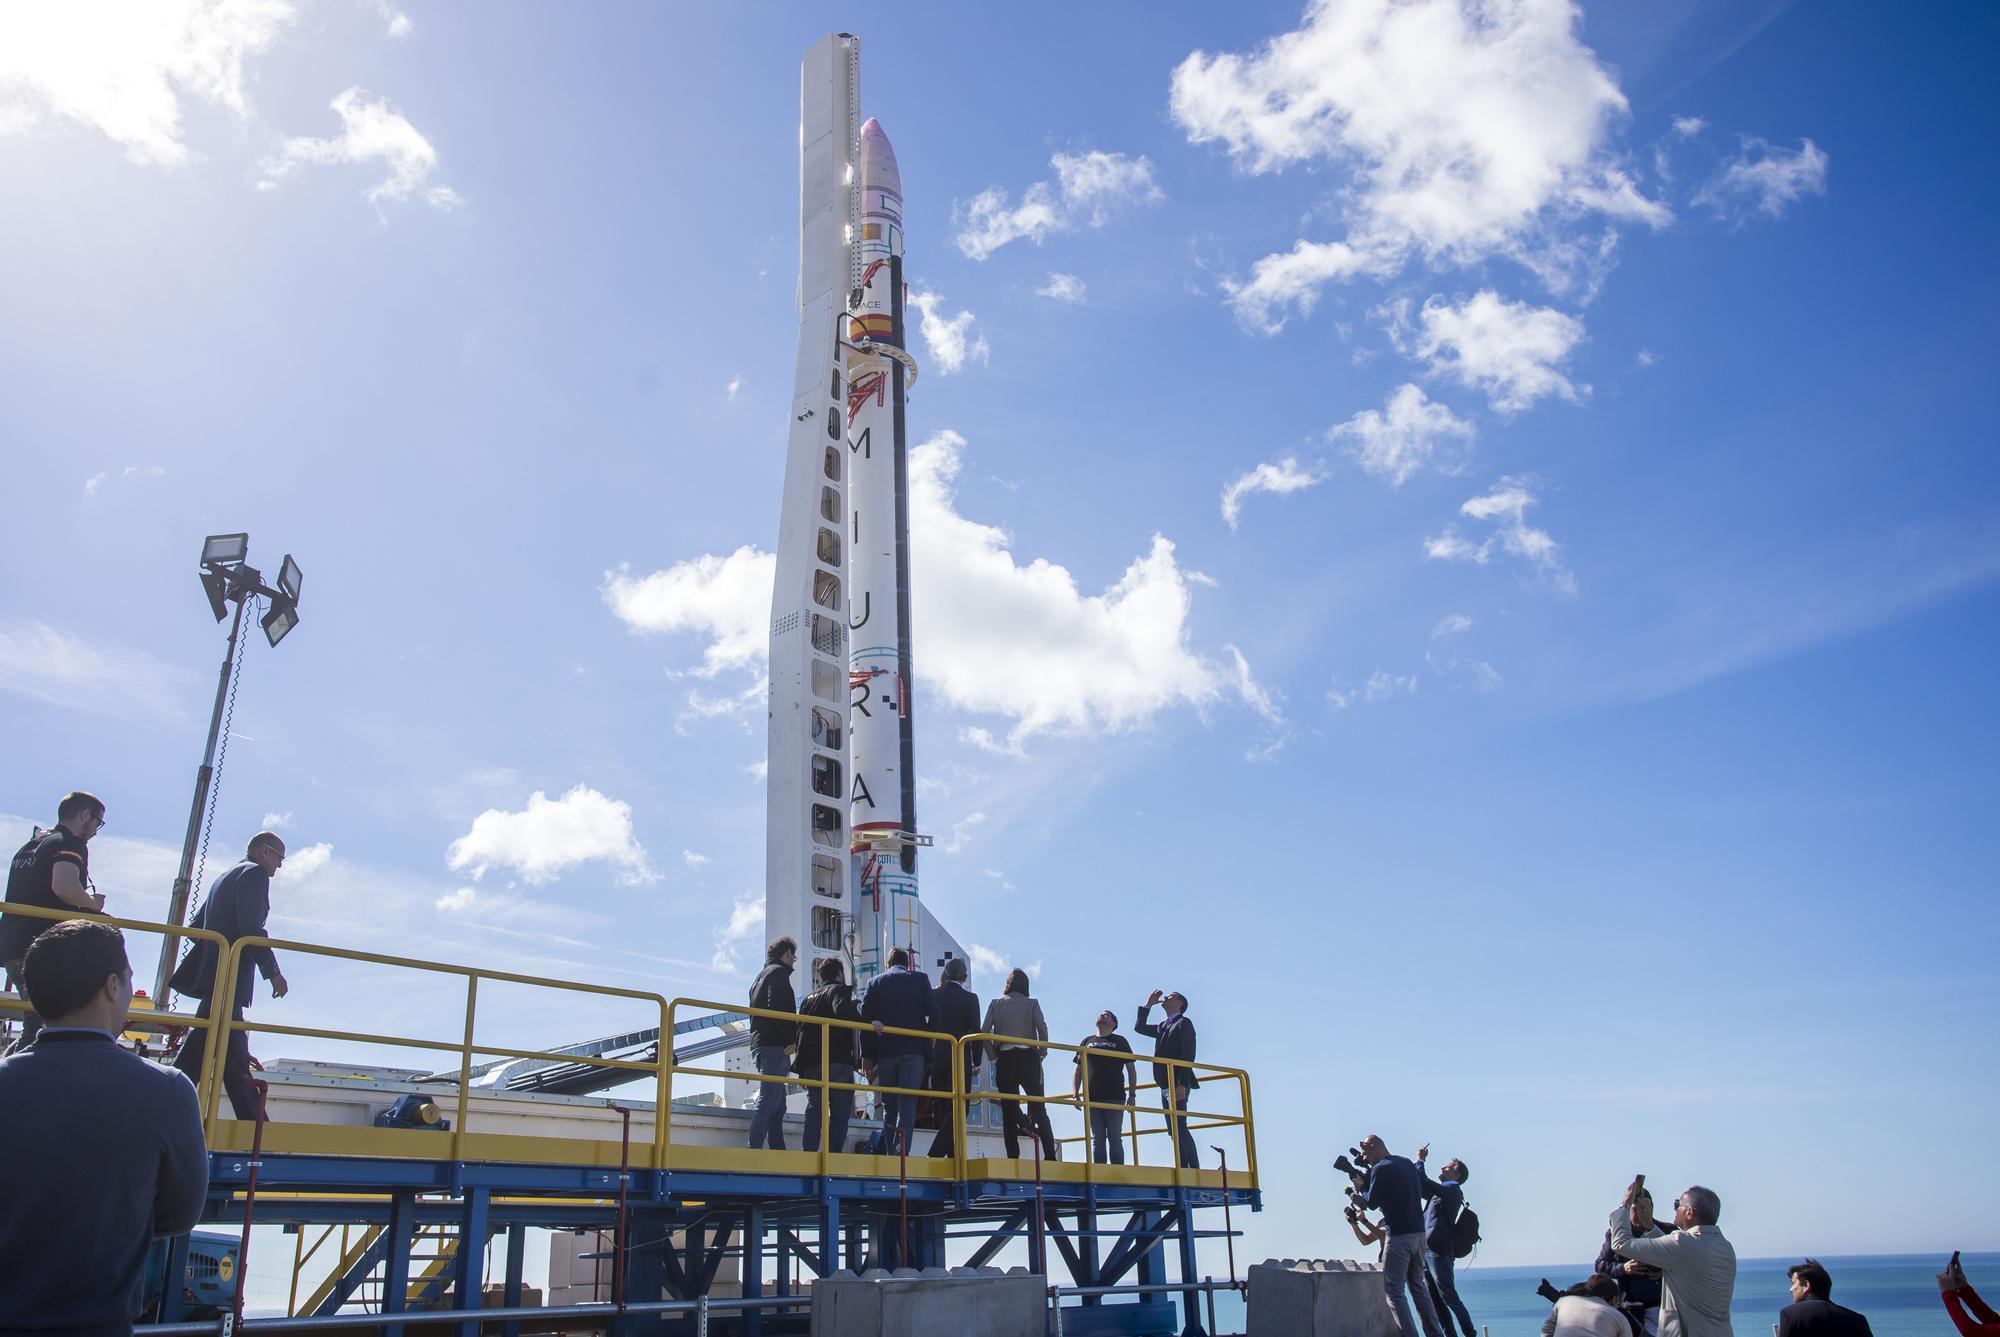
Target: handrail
pixel 210 1063
pixel 663 1069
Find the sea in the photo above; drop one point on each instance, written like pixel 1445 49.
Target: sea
pixel 1898 1293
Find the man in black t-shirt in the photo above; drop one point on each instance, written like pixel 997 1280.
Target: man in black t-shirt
pixel 52 872
pixel 1110 1079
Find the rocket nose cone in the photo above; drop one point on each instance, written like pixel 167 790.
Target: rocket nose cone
pixel 878 159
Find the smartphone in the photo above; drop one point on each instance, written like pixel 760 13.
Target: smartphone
pixel 1640 1180
pixel 1953 1265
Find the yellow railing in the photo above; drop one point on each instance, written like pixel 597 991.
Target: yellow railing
pixel 662 1151
pixel 150 1017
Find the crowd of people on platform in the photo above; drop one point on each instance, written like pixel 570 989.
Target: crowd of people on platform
pixel 119 1157
pixel 789 1040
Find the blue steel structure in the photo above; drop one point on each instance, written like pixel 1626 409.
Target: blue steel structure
pixel 1096 1234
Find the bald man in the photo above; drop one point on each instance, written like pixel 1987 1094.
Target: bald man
pixel 238 904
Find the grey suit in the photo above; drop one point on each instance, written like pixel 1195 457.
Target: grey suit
pixel 1699 1275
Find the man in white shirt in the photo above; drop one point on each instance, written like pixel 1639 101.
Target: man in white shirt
pixel 1697 1264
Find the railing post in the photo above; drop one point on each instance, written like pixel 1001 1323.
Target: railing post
pixel 663 1103
pixel 825 1086
pixel 464 1070
pixel 961 1100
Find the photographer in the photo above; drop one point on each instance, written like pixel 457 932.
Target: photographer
pixel 1587 1309
pixel 1697 1265
pixel 1640 1281
pixel 1443 1200
pixel 1368 1232
pixel 1392 1186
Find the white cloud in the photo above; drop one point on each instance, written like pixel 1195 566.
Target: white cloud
pixel 1470 131
pixel 44 663
pixel 948 339
pixel 989 963
pixel 743 707
pixel 95 483
pixel 692 859
pixel 277 821
pixel 124 69
pixel 1410 432
pixel 984 740
pixel 304 863
pixel 997 876
pixel 551 836
pixel 726 599
pixel 1506 507
pixel 1293 279
pixel 458 900
pixel 399 25
pixel 1451 624
pixel 735 387
pixel 1645 357
pixel 1687 127
pixel 739 932
pixel 759 770
pixel 1000 637
pixel 1087 189
pixel 1765 177
pixel 1509 350
pixel 1281 479
pixel 371 131
pixel 961 832
pixel 1063 288
pixel 1382 686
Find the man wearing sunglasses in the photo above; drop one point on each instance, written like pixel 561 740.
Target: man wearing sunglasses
pixel 1697 1265
pixel 51 871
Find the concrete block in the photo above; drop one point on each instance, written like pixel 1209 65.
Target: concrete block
pixel 1291 1297
pixel 961 1301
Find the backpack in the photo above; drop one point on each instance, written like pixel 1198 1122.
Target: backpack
pixel 1464 1233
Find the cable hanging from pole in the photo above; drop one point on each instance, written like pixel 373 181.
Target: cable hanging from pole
pixel 215 776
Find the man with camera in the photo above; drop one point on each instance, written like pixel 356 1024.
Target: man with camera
pixel 1393 1186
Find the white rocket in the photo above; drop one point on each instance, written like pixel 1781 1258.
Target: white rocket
pixel 840 831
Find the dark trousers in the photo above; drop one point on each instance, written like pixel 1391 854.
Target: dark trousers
pixel 1444 1294
pixel 945 1141
pixel 1184 1140
pixel 235 1063
pixel 1021 1070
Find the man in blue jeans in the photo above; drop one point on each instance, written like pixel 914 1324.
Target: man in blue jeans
pixel 773 1041
pixel 1443 1199
pixel 1392 1186
pixel 900 997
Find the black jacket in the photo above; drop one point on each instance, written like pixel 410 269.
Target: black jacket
pixel 1172 1038
pixel 238 905
pixel 955 1010
pixel 1642 1288
pixel 773 990
pixel 848 1047
pixel 1813 1317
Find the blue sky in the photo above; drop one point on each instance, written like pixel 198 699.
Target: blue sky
pixel 1578 753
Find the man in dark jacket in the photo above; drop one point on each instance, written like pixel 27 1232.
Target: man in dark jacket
pixel 956 1011
pixel 1640 1282
pixel 238 905
pixel 772 1041
pixel 1173 1037
pixel 52 872
pixel 1812 1312
pixel 1443 1198
pixel 105 1148
pixel 833 1052
pixel 1394 1187
pixel 901 997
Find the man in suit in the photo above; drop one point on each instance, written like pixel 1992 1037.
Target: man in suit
pixel 1173 1037
pixel 901 997
pixel 956 1012
pixel 104 1149
pixel 1443 1199
pixel 1697 1264
pixel 1812 1312
pixel 238 904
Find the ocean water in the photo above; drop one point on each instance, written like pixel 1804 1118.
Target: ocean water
pixel 1898 1293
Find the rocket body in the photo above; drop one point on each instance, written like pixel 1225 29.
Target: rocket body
pixel 882 796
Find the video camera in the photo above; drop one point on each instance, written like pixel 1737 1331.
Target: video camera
pixel 1347 1166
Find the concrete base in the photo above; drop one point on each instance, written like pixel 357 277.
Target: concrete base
pixel 1292 1297
pixel 955 1302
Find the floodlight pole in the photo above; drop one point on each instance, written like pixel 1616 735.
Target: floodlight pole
pixel 177 905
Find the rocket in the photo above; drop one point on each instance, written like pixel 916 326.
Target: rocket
pixel 840 817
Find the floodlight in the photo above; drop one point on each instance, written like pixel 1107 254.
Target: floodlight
pixel 216 585
pixel 284 615
pixel 224 549
pixel 289 578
